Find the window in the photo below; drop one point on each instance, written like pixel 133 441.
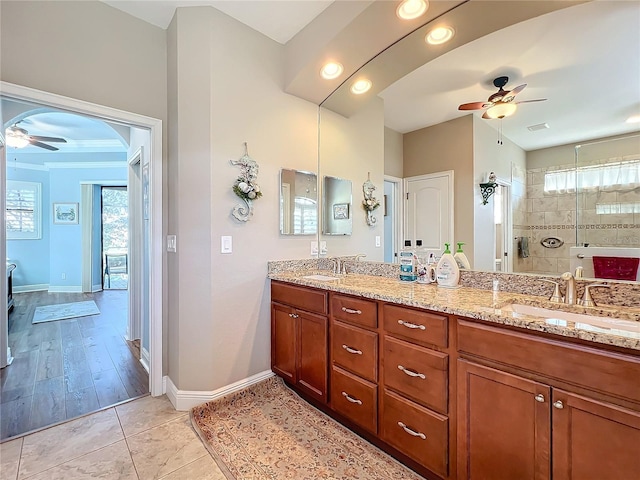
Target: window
pixel 23 213
pixel 610 176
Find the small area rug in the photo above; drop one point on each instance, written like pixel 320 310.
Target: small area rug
pixel 49 313
pixel 267 432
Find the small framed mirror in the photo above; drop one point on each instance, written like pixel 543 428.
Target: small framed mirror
pixel 298 202
pixel 337 208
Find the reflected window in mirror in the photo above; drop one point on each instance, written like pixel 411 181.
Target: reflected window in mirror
pixel 298 202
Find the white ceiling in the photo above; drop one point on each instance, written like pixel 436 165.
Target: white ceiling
pixel 279 19
pixel 584 59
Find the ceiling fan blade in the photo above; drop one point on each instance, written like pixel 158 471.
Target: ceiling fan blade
pixel 511 95
pixel 531 101
pixel 475 105
pixel 40 138
pixel 35 143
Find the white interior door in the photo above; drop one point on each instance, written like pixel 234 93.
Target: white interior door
pixel 429 210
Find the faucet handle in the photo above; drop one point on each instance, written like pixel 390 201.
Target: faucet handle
pixel 587 300
pixel 556 296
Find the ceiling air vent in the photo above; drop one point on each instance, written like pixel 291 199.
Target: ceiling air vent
pixel 540 126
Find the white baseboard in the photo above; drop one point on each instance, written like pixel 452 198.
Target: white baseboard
pixel 30 288
pixel 65 289
pixel 184 400
pixel 144 358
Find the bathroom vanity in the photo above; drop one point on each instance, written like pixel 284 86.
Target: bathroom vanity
pixel 457 388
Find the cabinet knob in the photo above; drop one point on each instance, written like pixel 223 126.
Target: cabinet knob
pixel 352 350
pixel 351 399
pixel 558 404
pixel 411 373
pixel 539 398
pixel 412 432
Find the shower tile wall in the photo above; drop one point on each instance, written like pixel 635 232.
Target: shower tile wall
pixel 554 215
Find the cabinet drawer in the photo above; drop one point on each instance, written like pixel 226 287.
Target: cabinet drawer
pixel 354 398
pixel 607 372
pixel 355 310
pixel 417 326
pixel 355 349
pixel 301 297
pixel 415 431
pixel 417 372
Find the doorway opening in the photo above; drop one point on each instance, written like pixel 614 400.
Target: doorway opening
pixel 115 238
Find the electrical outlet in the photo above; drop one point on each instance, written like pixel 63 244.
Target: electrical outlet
pixel 171 243
pixel 378 240
pixel 314 249
pixel 323 247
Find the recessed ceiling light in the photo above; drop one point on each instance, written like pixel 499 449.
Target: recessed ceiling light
pixel 331 70
pixel 634 119
pixel 361 86
pixel 439 35
pixel 410 9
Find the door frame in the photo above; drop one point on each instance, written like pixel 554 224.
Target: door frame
pixel 155 271
pixel 135 245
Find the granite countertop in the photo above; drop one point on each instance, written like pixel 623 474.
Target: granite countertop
pixel 480 304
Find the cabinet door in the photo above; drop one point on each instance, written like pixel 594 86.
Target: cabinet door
pixel 313 348
pixel 283 342
pixel 503 425
pixel 592 439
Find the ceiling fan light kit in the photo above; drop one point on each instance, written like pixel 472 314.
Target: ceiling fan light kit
pixel 501 110
pixel 19 138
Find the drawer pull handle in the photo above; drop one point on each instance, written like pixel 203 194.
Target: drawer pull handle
pixel 351 399
pixel 411 325
pixel 352 350
pixel 352 311
pixel 411 432
pixel 293 315
pixel 411 373
pixel 539 398
pixel 558 404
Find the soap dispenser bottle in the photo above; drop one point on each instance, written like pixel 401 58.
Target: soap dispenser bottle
pixel 447 271
pixel 461 258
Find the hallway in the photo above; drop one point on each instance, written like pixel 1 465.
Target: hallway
pixel 66 368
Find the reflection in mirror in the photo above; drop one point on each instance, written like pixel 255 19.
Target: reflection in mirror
pixel 336 206
pixel 298 202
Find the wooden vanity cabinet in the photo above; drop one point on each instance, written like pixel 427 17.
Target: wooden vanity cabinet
pixel 299 338
pixel 535 408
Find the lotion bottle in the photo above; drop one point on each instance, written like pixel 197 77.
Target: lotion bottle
pixel 461 258
pixel 447 271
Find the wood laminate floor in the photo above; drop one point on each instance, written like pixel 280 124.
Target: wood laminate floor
pixel 67 368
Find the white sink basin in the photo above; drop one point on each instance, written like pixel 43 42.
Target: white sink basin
pixel 581 319
pixel 322 278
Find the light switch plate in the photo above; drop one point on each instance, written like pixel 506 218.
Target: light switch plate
pixel 171 243
pixel 377 240
pixel 323 247
pixel 314 249
pixel 226 244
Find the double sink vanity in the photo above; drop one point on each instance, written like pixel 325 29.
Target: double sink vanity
pixel 473 382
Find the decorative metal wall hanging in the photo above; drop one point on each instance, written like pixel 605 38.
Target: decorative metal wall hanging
pixel 370 203
pixel 246 186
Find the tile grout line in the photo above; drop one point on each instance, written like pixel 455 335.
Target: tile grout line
pixel 126 442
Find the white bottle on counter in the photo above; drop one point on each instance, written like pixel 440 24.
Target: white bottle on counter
pixel 447 271
pixel 461 258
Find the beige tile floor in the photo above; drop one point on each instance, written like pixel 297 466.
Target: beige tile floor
pixel 139 440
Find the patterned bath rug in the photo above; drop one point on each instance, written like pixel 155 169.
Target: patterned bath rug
pixel 267 432
pixel 49 313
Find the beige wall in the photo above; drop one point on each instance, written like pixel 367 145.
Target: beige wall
pixel 393 154
pixel 447 146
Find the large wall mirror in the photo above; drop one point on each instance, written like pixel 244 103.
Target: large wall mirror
pixel 409 125
pixel 337 208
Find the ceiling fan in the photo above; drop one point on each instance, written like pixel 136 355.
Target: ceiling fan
pixel 18 137
pixel 501 104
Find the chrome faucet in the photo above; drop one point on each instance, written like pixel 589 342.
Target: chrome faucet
pixel 570 288
pixel 337 269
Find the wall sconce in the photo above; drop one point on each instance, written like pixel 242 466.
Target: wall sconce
pixel 489 188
